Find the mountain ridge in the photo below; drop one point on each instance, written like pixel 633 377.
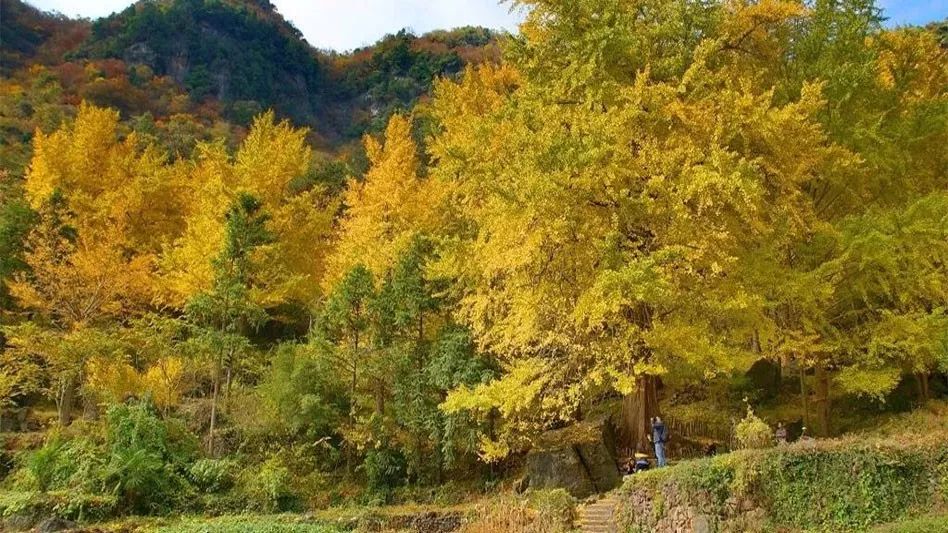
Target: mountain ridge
pixel 243 57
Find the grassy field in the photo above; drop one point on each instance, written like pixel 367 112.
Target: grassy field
pixel 925 524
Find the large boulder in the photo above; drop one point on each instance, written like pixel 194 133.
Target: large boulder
pixel 580 459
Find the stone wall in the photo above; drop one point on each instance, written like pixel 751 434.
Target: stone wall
pixel 676 510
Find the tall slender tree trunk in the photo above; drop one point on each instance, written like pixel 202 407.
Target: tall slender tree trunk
pixel 64 405
pixel 924 391
pixel 227 389
pixel 823 401
pixel 214 397
pixel 380 396
pixel 638 408
pixel 352 395
pixel 803 396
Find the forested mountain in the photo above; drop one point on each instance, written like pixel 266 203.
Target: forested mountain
pixel 242 57
pixel 29 35
pixel 241 53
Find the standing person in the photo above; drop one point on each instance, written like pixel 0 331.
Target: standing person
pixel 659 438
pixel 781 434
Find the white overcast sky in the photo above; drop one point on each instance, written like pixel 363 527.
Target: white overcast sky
pixel 347 24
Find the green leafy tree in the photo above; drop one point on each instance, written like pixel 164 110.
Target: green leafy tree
pixel 225 315
pixel 345 323
pixel 303 392
pixel 16 220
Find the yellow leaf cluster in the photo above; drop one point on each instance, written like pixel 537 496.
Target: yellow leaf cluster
pixel 386 210
pixel 272 156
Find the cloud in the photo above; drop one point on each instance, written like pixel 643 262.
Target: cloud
pixel 82 8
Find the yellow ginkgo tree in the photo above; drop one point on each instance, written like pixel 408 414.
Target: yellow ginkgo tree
pixel 385 210
pixel 608 204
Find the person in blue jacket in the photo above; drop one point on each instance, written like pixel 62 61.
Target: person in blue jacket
pixel 659 438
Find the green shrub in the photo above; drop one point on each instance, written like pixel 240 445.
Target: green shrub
pixel 138 426
pixel 18 503
pixel 268 487
pixel 554 507
pixel 301 394
pixel 81 506
pixel 834 485
pixel 753 433
pixel 213 475
pixel 140 478
pixel 925 524
pixel 147 459
pixel 61 464
pixel 247 524
pixel 849 488
pixel 139 467
pixel 715 478
pixel 32 506
pixel 384 469
pixel 46 466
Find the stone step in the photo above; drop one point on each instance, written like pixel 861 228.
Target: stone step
pixel 598 517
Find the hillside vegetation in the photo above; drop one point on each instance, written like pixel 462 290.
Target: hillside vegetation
pixel 238 274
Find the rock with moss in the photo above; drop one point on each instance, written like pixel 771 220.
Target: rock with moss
pixel 580 459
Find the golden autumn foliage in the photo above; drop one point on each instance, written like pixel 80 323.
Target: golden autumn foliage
pixel 123 231
pixel 641 191
pixel 633 207
pixel 76 279
pixel 387 209
pixel 273 155
pixel 92 253
pixel 116 381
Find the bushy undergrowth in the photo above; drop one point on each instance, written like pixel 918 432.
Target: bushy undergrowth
pixel 752 432
pixel 32 506
pixel 384 470
pixel 850 487
pixel 924 524
pixel 838 485
pixel 213 475
pixel 137 462
pixel 269 488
